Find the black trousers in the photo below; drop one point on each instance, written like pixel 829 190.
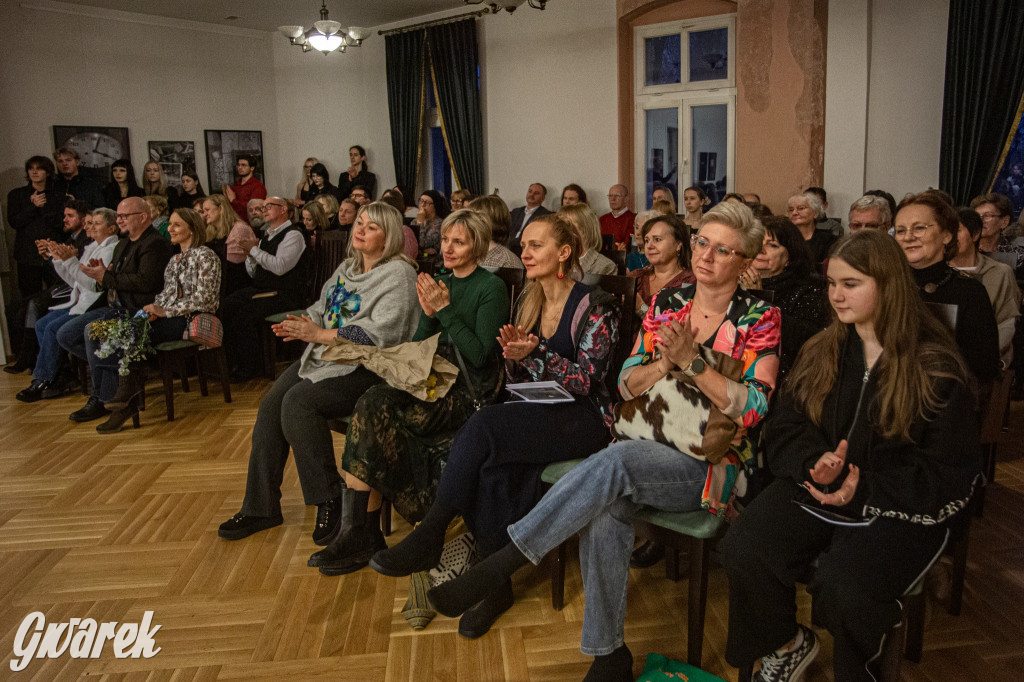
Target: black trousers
pixel 243 317
pixel 294 413
pixel 861 574
pixel 492 475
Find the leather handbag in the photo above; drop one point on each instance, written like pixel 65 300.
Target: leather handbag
pixel 205 329
pixel 675 412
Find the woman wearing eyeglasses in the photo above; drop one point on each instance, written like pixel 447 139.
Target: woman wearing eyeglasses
pixel 432 210
pixel 926 229
pixel 599 496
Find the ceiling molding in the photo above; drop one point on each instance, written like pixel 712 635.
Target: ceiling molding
pixel 137 18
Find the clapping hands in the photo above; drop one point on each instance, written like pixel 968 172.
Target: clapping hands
pixel 433 294
pixel 516 344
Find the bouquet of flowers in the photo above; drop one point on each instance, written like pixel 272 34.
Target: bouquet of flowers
pixel 123 334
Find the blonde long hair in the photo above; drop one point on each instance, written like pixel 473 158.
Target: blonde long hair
pixel 222 227
pixel 583 218
pixel 388 217
pixel 160 186
pixel 532 299
pixel 918 348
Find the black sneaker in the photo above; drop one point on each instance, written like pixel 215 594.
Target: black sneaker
pixel 93 410
pixel 241 526
pixel 328 520
pixel 33 393
pixel 789 667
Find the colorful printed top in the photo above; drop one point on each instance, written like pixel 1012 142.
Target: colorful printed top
pixel 750 332
pixel 191 283
pixel 594 332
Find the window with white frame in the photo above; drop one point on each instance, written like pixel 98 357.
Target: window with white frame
pixel 685 96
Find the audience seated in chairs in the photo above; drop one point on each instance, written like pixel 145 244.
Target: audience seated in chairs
pixel 573 194
pixel 314 220
pixel 369 300
pixel 330 205
pixel 636 259
pixel 397 445
pixel 157 206
pixel 412 245
pixel 695 202
pixel 225 233
pixel 191 285
pixel 598 496
pixel 619 222
pixel 784 268
pixel 496 211
pixel 277 266
pixel 875 423
pixel 460 198
pixel 47 382
pixel 667 245
pixel 584 220
pixel 432 210
pixel 996 211
pixel 131 280
pixel 996 277
pixel 564 332
pixel 804 210
pixel 926 228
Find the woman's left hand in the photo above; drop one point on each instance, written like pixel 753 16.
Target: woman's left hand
pixel 676 346
pixel 750 279
pixel 515 343
pixel 433 294
pixel 303 329
pixel 843 495
pixel 154 311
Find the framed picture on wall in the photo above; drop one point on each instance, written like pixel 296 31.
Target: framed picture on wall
pixel 174 158
pixel 223 148
pixel 98 146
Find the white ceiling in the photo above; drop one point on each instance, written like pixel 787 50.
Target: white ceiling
pixel 267 15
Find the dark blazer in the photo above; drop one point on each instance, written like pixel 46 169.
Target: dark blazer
pixel 31 222
pixel 516 233
pixel 136 270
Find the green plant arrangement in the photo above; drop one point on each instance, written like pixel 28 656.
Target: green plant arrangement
pixel 126 335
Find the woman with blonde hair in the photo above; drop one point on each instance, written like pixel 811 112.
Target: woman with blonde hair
pixel 585 221
pixel 225 231
pixel 397 445
pixel 306 191
pixel 874 447
pixel 564 332
pixel 331 206
pixel 314 219
pixel 496 211
pixel 370 300
pixel 157 207
pixel 155 182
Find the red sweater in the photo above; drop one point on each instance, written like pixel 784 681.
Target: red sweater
pixel 254 189
pixel 621 228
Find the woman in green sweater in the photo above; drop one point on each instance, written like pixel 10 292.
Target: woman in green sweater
pixel 396 445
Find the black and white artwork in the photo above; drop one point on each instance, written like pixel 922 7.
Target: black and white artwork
pixel 223 147
pixel 98 146
pixel 174 158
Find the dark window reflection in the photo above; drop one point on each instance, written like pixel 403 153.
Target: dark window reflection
pixel 709 54
pixel 661 59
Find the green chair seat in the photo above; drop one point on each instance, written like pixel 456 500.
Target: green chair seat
pixel 167 346
pixel 696 524
pixel 281 317
pixel 553 472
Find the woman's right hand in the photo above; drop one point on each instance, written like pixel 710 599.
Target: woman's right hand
pixel 515 343
pixel 829 465
pixel 750 279
pixel 39 198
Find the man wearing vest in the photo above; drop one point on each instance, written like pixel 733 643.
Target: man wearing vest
pixel 277 265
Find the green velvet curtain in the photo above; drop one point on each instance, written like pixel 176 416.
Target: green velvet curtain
pixel 984 83
pixel 404 56
pixel 455 68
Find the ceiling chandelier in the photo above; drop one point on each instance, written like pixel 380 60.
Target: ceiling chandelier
pixel 325 35
pixel 508 5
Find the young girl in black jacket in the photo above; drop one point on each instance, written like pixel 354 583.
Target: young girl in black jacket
pixel 875 423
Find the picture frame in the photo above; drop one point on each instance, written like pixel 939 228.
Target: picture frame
pixel 174 157
pixel 98 146
pixel 223 147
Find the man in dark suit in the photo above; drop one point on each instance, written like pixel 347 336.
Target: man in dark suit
pixel 522 216
pixel 133 279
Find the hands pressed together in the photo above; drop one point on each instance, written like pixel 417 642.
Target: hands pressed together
pixel 826 470
pixel 55 250
pixel 675 344
pixel 516 344
pixel 94 269
pixel 433 295
pixel 302 329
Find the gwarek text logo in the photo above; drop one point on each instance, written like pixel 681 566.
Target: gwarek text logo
pixel 82 638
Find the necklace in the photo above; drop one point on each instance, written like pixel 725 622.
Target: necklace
pixel 706 315
pixel 932 287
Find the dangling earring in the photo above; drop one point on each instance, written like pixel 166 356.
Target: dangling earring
pixel 561 270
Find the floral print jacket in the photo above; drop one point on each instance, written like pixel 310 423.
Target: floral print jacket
pixel 191 283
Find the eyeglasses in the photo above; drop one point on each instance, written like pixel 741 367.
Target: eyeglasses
pixel 125 216
pixel 266 206
pixel 911 232
pixel 616 196
pixel 990 216
pixel 424 202
pixel 719 250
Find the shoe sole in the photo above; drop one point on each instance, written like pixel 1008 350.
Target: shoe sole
pixel 239 535
pixel 90 418
pixel 351 565
pixel 798 672
pixel 470 633
pixel 393 573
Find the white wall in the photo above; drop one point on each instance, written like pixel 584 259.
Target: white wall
pixel 162 79
pixel 885 80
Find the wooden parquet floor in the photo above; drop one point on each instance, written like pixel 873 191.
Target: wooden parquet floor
pixel 109 527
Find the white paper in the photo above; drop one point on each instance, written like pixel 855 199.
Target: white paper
pixel 545 392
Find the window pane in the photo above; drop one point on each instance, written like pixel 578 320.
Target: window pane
pixel 710 140
pixel 662 156
pixel 709 55
pixel 662 58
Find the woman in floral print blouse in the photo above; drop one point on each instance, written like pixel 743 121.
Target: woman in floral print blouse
pixel 598 497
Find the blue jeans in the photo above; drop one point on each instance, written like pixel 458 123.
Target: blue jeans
pixel 71 335
pixel 48 360
pixel 597 499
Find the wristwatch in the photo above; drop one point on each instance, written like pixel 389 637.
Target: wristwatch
pixel 696 366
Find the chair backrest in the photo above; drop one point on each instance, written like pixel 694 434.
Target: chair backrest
pixel 995 409
pixel 1005 257
pixel 426 265
pixel 619 258
pixel 624 289
pixel 515 281
pixel 766 295
pixel 327 256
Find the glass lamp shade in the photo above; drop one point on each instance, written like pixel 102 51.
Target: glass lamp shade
pixel 291 31
pixel 327 27
pixel 358 32
pixel 325 43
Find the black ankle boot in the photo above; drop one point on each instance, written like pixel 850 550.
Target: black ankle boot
pixel 359 539
pixel 129 388
pixel 420 550
pixel 614 667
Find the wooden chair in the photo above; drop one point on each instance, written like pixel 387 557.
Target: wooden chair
pixel 991 430
pixel 173 355
pixel 327 256
pixel 619 258
pixel 514 279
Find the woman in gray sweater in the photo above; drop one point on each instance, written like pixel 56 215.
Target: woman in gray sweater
pixel 369 300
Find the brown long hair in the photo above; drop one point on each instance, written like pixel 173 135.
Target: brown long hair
pixel 532 299
pixel 918 348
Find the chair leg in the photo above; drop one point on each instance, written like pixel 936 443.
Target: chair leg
pixel 893 650
pixel 956 589
pixel 915 627
pixel 385 516
pixel 222 367
pixel 168 373
pixel 558 578
pixel 269 352
pixel 745 673
pixel 201 374
pixel 672 563
pixel 700 558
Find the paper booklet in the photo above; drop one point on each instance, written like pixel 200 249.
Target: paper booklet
pixel 541 392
